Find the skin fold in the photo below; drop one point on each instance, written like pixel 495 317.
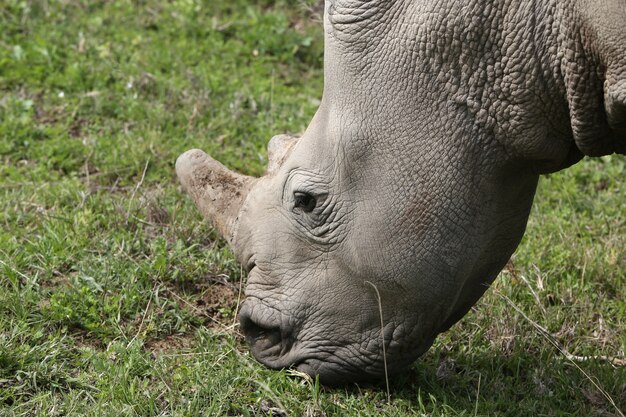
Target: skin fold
pixel 415 178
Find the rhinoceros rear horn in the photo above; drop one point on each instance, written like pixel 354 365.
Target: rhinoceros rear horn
pixel 217 191
pixel 278 149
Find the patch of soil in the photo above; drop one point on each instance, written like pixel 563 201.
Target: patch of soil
pixel 77 127
pixel 169 343
pixel 216 297
pixel 156 213
pixel 85 339
pixel 215 303
pixel 61 277
pixel 213 298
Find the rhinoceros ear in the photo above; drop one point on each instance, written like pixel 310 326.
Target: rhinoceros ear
pixel 218 192
pixel 597 92
pixel 278 149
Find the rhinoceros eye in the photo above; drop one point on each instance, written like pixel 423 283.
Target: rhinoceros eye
pixel 304 201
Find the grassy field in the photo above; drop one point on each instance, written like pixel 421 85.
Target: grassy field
pixel 117 299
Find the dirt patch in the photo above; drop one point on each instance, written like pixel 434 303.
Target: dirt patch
pixel 214 299
pixel 156 212
pixel 217 297
pixel 213 303
pixel 61 277
pixel 218 303
pixel 169 344
pixel 77 127
pixel 84 338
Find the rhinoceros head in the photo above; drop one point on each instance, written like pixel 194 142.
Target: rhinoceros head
pixel 383 224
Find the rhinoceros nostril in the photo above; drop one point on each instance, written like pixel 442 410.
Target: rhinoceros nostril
pixel 261 338
pixel 250 265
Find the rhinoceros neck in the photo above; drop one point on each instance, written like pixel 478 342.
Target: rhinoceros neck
pixel 521 70
pixel 546 78
pixel 500 66
pixel 590 57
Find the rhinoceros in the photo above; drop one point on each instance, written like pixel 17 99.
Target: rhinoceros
pixel 390 216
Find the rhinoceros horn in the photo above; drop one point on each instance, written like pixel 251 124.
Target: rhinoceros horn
pixel 217 191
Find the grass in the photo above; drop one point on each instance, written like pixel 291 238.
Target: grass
pixel 117 299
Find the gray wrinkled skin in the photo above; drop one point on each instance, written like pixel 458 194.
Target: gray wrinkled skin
pixel 417 173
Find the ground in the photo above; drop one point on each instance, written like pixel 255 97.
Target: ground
pixel 116 298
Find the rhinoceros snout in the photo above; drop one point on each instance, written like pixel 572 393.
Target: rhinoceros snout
pixel 262 338
pixel 269 342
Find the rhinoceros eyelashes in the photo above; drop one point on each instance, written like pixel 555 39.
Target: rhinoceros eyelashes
pixel 304 201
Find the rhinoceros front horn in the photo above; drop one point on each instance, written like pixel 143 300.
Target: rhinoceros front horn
pixel 217 191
